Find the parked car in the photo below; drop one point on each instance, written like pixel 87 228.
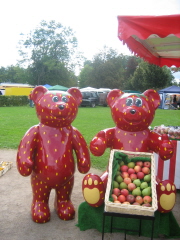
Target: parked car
pixel 89 99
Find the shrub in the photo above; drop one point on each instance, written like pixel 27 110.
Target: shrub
pixel 9 101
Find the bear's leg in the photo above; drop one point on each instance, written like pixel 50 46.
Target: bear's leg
pixel 94 188
pixel 63 204
pixel 40 208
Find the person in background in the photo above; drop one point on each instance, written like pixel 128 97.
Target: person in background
pixel 175 101
pixel 1 93
pixel 31 103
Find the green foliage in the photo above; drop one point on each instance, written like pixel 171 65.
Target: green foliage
pixel 9 101
pixel 15 121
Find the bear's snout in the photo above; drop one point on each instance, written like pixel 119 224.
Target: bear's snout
pixel 61 106
pixel 132 111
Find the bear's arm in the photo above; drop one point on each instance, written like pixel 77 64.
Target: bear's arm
pixel 161 145
pixel 102 140
pixel 82 151
pixel 26 151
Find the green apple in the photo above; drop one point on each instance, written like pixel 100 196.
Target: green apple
pixel 136 192
pixel 121 163
pixel 144 185
pixel 147 178
pixel 119 179
pixel 131 165
pixel 146 191
pixel 137 182
pixel 123 185
pixel 115 184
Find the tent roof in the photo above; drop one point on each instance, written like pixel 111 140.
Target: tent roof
pixel 154 38
pixel 171 89
pixel 58 88
pixel 47 86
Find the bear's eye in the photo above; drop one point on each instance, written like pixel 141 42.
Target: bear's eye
pixel 129 102
pixel 138 102
pixel 64 99
pixel 55 99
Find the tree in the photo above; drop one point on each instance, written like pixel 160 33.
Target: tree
pixel 49 51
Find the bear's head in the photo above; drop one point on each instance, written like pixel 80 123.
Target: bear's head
pixel 56 108
pixel 131 111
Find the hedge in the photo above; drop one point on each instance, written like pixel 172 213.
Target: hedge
pixel 9 101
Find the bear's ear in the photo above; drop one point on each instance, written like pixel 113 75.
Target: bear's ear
pixel 113 95
pixel 76 94
pixel 154 96
pixel 38 93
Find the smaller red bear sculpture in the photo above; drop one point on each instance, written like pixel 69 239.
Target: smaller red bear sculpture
pixel 46 152
pixel 132 115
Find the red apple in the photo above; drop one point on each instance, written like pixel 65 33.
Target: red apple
pixel 139 199
pixel 140 175
pixel 145 170
pixel 146 205
pixel 121 198
pixel 137 168
pixel 124 192
pixel 131 186
pixel 139 163
pixel 147 199
pixel 133 176
pixel 147 164
pixel 116 191
pixel 127 180
pixel 130 198
pixel 131 171
pixel 124 168
pixel 124 174
pixel 114 197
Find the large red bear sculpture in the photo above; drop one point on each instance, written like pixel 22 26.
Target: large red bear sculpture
pixel 132 115
pixel 46 152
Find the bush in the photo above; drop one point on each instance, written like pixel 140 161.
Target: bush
pixel 10 101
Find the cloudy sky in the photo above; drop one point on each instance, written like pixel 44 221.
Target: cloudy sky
pixel 94 22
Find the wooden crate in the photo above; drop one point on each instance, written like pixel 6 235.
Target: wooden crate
pixel 128 208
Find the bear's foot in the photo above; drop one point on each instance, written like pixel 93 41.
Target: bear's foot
pixel 93 190
pixel 65 209
pixel 40 212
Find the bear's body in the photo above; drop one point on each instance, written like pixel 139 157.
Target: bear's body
pixel 46 152
pixel 132 114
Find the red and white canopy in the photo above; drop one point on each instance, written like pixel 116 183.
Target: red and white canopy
pixel 154 38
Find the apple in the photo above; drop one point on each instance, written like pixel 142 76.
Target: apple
pixel 121 198
pixel 131 165
pixel 126 202
pixel 144 185
pixel 146 205
pixel 137 168
pixel 147 164
pixel 131 171
pixel 116 191
pixel 133 176
pixel 146 170
pixel 137 182
pixel 139 199
pixel 147 199
pixel 131 186
pixel 124 192
pixel 116 201
pixel 130 198
pixel 139 163
pixel 136 203
pixel 114 197
pixel 147 178
pixel 127 180
pixel 124 174
pixel 119 179
pixel 123 185
pixel 121 163
pixel 140 175
pixel 115 184
pixel 124 168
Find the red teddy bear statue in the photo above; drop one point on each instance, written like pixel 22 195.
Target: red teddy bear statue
pixel 46 152
pixel 132 114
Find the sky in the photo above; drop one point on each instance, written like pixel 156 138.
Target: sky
pixel 94 22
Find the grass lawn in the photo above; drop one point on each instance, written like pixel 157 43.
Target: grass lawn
pixel 15 121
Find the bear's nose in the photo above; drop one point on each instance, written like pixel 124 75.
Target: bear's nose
pixel 132 111
pixel 61 107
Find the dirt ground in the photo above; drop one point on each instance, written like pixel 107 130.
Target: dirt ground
pixel 15 219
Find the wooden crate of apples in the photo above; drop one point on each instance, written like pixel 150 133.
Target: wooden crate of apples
pixel 131 186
